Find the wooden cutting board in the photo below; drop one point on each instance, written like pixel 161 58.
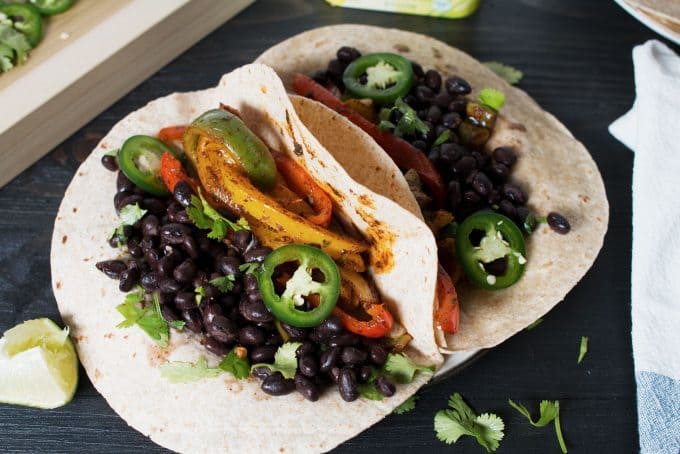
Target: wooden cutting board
pixel 90 56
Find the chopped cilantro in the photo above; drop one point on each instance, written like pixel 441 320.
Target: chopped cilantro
pixel 534 324
pixel 285 360
pixel 200 294
pixel 146 316
pixel 459 420
pixel 207 218
pixel 181 372
pixel 583 349
pixel 16 42
pixel 406 406
pixel 506 72
pixel 224 283
pixel 401 369
pixel 238 367
pixel 249 268
pixel 368 391
pixel 408 124
pixel 491 98
pixel 549 411
pixel 128 215
pixel 443 137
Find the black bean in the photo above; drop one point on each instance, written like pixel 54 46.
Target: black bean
pixel 222 329
pixel 274 338
pixel 498 172
pixel 343 340
pixel 347 385
pixel 185 301
pixel 507 208
pixel 263 354
pixel 166 265
pixel 112 268
pixel 227 300
pixel 255 310
pixel 451 152
pixel 169 314
pixel 451 120
pixel 364 373
pixel 417 70
pixel 336 68
pixel 123 184
pixel 169 285
pixel 334 373
pixel 150 280
pixel 410 100
pixel 134 250
pixel 308 365
pixel 457 105
pixel 377 354
pixel 216 347
pixel 505 155
pixel 419 144
pixel 152 257
pixel 175 233
pixel 262 372
pixel 228 265
pixel 353 355
pixel 347 54
pixel 192 318
pixel 240 240
pixel 494 197
pixel 442 100
pixel 250 283
pixel 296 334
pixel 251 335
pixel 464 166
pixel 147 243
pixel 470 200
pixel 482 184
pixel 185 271
pixel 320 77
pixel 497 267
pixel 306 387
pixel 558 223
pixel 332 325
pixel 119 198
pixel 513 193
pixel 329 358
pixel 424 94
pixel 182 217
pixel 128 279
pixel 182 193
pixel 200 279
pixel 307 348
pixel 150 225
pixel 153 205
pixel 433 115
pixel 384 386
pixel 276 385
pixel 257 254
pixel 109 162
pixel 190 247
pixel 454 195
pixel 433 80
pixel 481 158
pixel 457 86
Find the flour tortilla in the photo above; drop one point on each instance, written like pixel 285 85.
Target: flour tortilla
pixel 554 168
pixel 223 414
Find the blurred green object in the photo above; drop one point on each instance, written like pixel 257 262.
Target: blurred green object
pixel 449 9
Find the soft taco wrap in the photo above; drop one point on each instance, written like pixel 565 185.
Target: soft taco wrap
pixel 205 410
pixel 552 168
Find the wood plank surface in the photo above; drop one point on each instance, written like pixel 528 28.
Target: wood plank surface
pixel 576 56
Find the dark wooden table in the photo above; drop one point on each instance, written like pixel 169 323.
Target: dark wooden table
pixel 576 55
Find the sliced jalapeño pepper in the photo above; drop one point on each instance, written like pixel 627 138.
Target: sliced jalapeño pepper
pixel 490 248
pixel 25 19
pixel 52 7
pixel 286 307
pixel 140 160
pixel 382 77
pixel 227 132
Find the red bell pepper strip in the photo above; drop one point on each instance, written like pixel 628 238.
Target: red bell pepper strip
pixel 304 186
pixel 447 313
pixel 405 155
pixel 378 325
pixel 172 172
pixel 171 133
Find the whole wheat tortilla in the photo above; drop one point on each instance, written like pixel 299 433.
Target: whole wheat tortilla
pixel 555 170
pixel 223 414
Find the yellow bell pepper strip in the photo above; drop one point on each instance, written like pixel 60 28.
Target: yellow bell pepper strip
pixel 270 222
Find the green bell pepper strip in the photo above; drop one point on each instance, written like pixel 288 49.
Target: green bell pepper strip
pixel 140 160
pixel 52 7
pixel 301 284
pixel 389 76
pixel 25 19
pixel 502 238
pixel 242 144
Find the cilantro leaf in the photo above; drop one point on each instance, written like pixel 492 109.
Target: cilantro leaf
pixel 386 125
pixel 459 420
pixel 491 98
pixel 506 72
pixel 285 360
pixel 583 349
pixel 178 324
pixel 6 57
pixel 128 215
pixel 238 367
pixel 146 316
pixel 200 294
pixel 534 324
pixel 402 369
pixel 207 218
pixel 16 41
pixel 368 391
pixel 224 283
pixel 409 123
pixel 406 406
pixel 443 137
pixel 249 268
pixel 181 372
pixel 549 411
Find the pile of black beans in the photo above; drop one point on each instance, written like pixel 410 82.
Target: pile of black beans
pixel 166 254
pixel 475 179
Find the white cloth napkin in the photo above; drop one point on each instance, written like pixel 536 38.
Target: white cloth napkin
pixel 652 130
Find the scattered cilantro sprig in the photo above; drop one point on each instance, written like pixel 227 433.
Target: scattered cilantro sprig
pixel 224 283
pixel 207 218
pixel 285 360
pixel 250 267
pixel 181 372
pixel 583 349
pixel 406 406
pixel 506 72
pixel 492 98
pixel 459 420
pixel 14 46
pixel 128 215
pixel 408 124
pixel 398 368
pixel 549 411
pixel 147 316
pixel 534 324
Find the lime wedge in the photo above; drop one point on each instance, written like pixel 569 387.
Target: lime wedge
pixel 38 365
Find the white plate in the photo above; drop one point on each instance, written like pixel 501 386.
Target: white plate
pixel 649 22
